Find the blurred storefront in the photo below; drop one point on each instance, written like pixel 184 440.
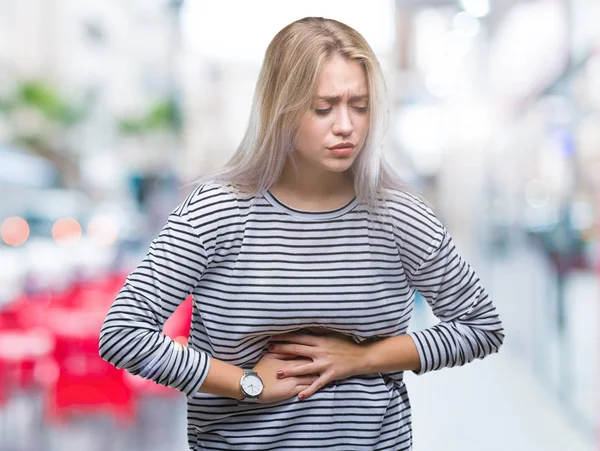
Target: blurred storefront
pixel 544 177
pixel 498 115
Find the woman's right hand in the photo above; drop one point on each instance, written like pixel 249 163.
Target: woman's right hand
pixel 276 389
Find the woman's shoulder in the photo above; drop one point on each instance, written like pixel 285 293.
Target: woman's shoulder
pixel 209 198
pixel 404 200
pixel 409 210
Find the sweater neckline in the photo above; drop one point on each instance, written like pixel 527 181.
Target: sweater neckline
pixel 309 214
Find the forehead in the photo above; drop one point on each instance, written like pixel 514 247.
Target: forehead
pixel 341 77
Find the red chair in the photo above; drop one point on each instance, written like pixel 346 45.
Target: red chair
pixel 179 324
pixel 3 384
pixel 22 345
pixel 85 382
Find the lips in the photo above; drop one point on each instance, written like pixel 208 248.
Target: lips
pixel 342 149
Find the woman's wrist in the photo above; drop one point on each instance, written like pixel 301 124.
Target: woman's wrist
pixel 223 379
pixel 390 354
pixel 369 357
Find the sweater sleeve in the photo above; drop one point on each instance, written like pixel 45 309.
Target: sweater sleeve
pixel 469 326
pixel 131 336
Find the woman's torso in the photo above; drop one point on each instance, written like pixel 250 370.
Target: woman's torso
pixel 272 270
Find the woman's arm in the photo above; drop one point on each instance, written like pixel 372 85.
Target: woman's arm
pixel 223 379
pixel 469 327
pixel 132 337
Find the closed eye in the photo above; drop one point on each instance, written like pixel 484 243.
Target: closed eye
pixel 324 111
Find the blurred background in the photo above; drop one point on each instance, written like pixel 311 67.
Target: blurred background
pixel 109 108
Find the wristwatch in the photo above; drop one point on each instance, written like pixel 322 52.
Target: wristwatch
pixel 251 386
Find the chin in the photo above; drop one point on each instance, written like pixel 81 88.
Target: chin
pixel 340 169
pixel 335 168
pixel 341 165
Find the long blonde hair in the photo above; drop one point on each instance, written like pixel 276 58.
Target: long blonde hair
pixel 285 90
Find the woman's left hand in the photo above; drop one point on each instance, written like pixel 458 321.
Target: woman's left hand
pixel 334 357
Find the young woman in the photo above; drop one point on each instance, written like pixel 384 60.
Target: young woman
pixel 303 255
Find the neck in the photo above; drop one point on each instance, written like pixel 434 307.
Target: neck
pixel 312 184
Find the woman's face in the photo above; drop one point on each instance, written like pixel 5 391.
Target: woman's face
pixel 333 131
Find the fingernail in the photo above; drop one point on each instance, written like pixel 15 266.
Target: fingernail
pixel 279 373
pixel 301 396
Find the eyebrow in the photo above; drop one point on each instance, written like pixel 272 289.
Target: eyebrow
pixel 335 99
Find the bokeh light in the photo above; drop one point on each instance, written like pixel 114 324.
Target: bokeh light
pixel 14 231
pixel 103 230
pixel 476 8
pixel 66 231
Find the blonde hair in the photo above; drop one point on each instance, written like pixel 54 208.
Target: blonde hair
pixel 285 90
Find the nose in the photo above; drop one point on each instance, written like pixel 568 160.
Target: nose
pixel 343 123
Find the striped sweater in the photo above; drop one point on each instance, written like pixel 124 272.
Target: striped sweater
pixel 257 268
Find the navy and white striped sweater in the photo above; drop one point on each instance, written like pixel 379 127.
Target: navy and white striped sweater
pixel 257 268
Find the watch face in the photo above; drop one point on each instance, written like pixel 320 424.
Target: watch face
pixel 252 385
